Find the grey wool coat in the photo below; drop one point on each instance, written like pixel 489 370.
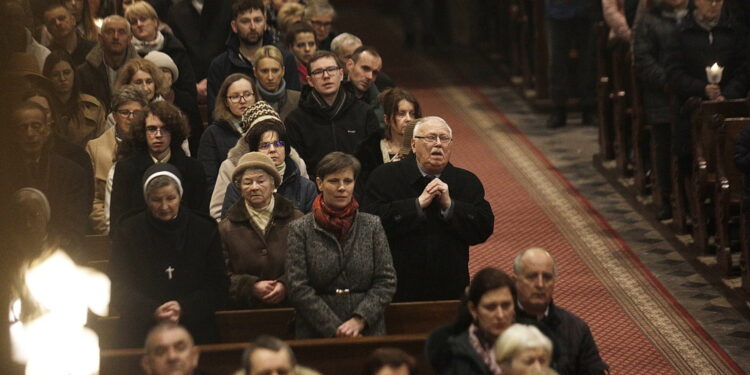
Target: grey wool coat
pixel 317 264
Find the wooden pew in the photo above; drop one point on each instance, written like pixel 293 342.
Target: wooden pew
pixel 641 136
pixel 729 192
pixel 244 325
pixel 678 200
pixel 604 93
pixel 621 113
pixel 329 356
pixel 706 118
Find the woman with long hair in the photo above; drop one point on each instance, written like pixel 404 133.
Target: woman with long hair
pixel 81 115
pixel 467 345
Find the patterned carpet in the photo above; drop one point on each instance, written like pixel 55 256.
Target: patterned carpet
pixel 639 327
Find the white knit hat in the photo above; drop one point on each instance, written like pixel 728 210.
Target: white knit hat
pixel 162 60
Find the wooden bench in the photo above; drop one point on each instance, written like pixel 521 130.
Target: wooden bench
pixel 706 118
pixel 244 325
pixel 329 356
pixel 621 112
pixel 729 194
pixel 604 93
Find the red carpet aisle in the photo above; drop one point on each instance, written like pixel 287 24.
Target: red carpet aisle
pixel 639 329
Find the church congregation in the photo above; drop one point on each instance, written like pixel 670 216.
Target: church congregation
pixel 246 157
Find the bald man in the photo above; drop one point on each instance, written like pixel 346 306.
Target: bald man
pixel 575 351
pixel 170 351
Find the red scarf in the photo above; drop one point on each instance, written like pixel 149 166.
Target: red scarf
pixel 337 222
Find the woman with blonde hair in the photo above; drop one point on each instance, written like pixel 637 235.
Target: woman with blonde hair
pixel 269 73
pixel 523 350
pixel 143 74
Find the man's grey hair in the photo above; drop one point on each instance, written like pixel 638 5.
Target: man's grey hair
pixel 267 342
pixel 518 261
pixel 318 8
pixel 427 119
pixel 128 93
pixel 115 17
pixel 343 39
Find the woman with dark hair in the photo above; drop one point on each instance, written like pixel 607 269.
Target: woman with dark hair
pixel 257 114
pixel 81 115
pixel 467 345
pixel 399 107
pixel 300 39
pixel 236 94
pixel 85 26
pixel 339 268
pixel 157 134
pixel 166 262
pixel 254 234
pixel 270 138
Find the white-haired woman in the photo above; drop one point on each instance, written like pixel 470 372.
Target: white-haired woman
pixel 523 350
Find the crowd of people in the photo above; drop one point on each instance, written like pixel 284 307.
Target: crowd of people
pixel 260 207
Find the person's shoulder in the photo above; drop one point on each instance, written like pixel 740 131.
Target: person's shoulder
pixel 200 219
pixel 303 222
pixel 368 219
pixel 90 101
pixel 568 318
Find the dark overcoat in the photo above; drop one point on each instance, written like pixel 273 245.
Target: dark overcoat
pixel 141 282
pixel 430 251
pixel 254 255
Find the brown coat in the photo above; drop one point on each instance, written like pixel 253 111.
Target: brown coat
pixel 86 124
pixel 102 152
pixel 251 255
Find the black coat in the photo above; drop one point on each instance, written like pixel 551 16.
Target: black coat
pixel 185 94
pixel 216 142
pixel 127 184
pixel 654 33
pixel 742 157
pixel 692 52
pixel 230 62
pixel 202 34
pixel 452 354
pixel 143 248
pixel 574 346
pixel 314 132
pixel 430 253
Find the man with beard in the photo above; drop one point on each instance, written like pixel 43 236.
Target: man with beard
pixel 97 75
pixel 170 351
pixel 432 212
pixel 61 24
pixel 249 32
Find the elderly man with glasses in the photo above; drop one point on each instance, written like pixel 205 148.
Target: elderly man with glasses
pixel 432 212
pixel 330 118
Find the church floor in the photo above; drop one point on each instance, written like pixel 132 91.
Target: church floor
pixel 570 150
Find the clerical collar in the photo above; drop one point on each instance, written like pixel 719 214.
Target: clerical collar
pixel 546 311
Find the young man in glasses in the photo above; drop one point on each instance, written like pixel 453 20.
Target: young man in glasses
pixel 329 118
pixel 432 212
pixel 250 31
pixel 157 133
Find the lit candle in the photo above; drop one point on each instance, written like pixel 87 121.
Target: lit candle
pixel 713 73
pixel 54 340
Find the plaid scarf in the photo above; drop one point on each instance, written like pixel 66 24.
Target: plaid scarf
pixel 336 222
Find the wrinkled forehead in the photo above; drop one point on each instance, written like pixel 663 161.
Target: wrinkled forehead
pixel 168 337
pixel 115 24
pixel 433 126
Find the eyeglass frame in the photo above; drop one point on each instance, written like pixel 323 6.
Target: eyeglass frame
pixel 433 139
pixel 127 113
pixel 267 145
pixel 330 70
pixel 237 99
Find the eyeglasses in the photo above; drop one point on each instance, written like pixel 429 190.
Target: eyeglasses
pixel 267 145
pixel 432 139
pixel 236 98
pixel 330 70
pixel 153 129
pixel 127 113
pixel 321 24
pixel 37 127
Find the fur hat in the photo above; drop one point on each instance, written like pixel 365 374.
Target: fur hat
pixel 258 112
pixel 162 169
pixel 162 60
pixel 257 160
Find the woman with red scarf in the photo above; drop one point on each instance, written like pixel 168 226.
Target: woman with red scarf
pixel 338 265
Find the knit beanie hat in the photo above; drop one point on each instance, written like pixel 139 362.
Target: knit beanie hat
pixel 257 160
pixel 162 169
pixel 256 113
pixel 162 60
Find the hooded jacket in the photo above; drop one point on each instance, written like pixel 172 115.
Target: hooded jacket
pixel 92 74
pixel 314 129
